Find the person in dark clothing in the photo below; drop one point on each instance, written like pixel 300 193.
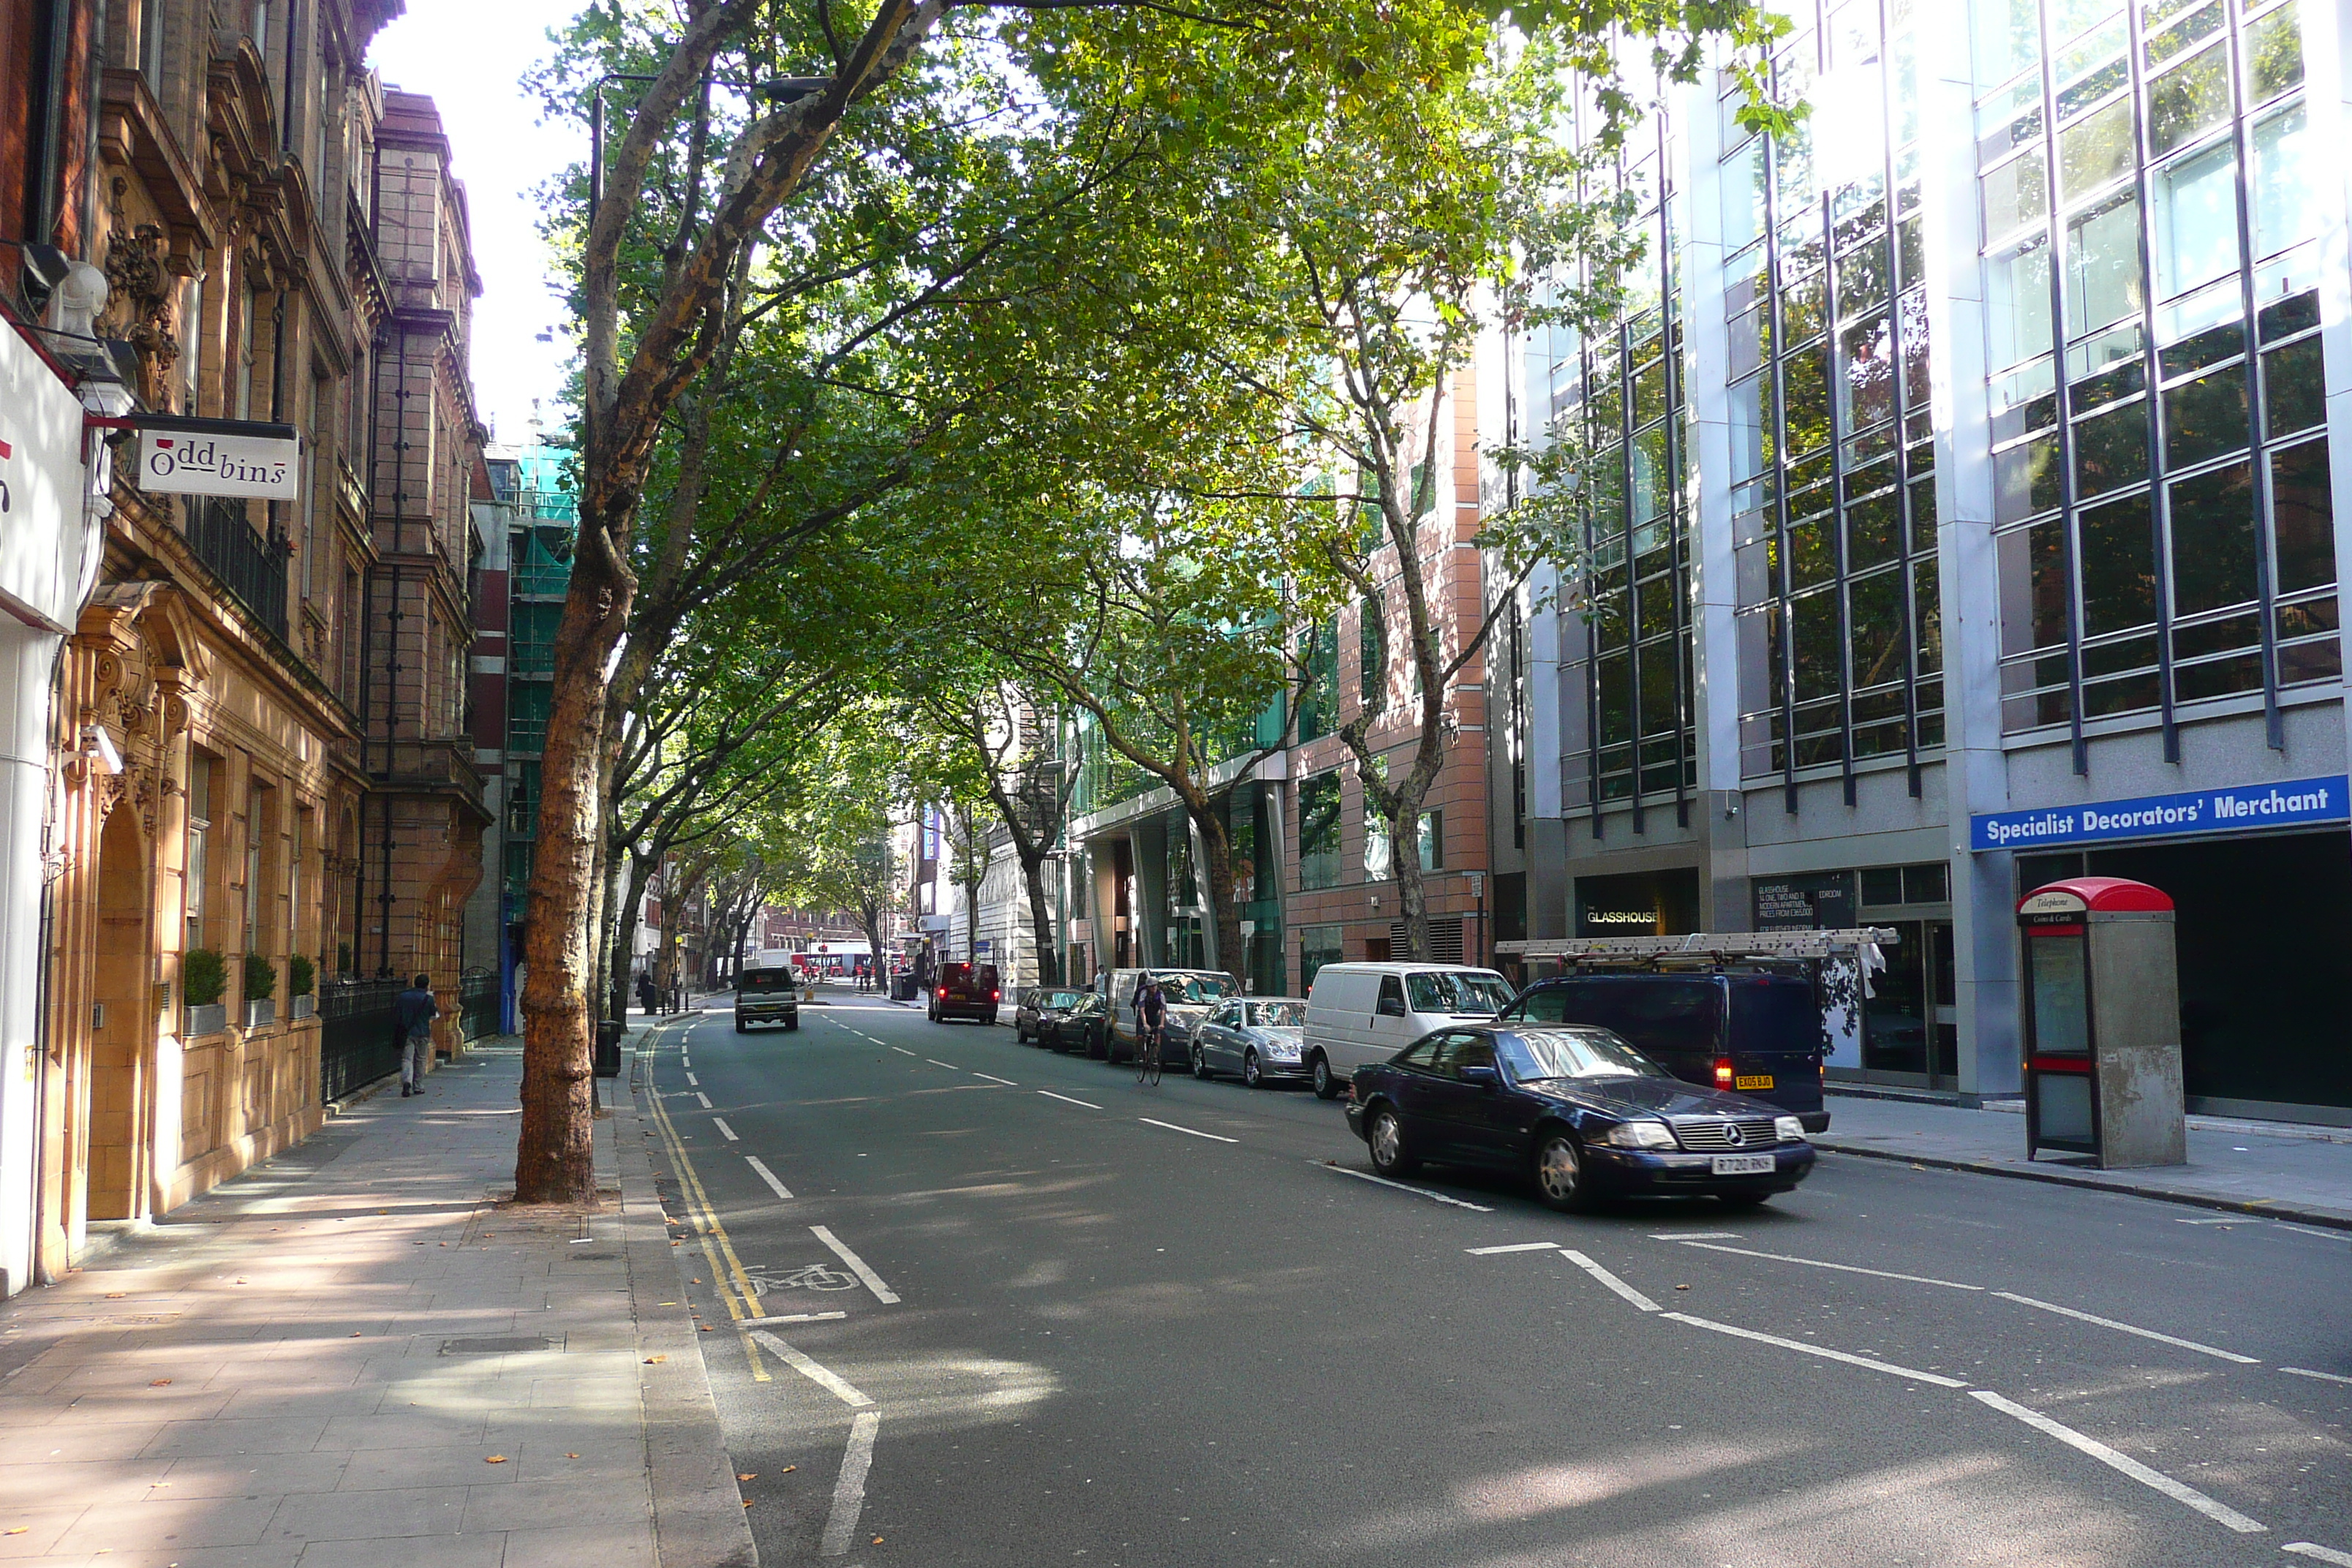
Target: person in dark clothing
pixel 1151 1021
pixel 677 994
pixel 413 1013
pixel 645 997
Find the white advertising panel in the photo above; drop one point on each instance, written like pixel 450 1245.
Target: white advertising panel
pixel 41 480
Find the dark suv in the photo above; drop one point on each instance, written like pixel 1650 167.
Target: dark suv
pixel 1756 1035
pixel 965 991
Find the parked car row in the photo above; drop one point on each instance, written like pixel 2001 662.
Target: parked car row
pixel 1590 1084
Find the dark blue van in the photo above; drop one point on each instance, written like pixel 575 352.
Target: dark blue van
pixel 1756 1035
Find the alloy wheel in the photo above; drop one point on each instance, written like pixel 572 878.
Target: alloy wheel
pixel 1252 1074
pixel 1560 1171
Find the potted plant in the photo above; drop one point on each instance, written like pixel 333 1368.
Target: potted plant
pixel 261 991
pixel 204 975
pixel 302 984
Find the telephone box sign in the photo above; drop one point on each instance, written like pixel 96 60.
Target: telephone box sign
pixel 219 457
pixel 2295 802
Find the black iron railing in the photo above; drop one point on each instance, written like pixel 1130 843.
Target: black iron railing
pixel 358 1036
pixel 252 567
pixel 477 1004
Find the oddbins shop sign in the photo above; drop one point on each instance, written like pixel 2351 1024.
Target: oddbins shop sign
pixel 204 458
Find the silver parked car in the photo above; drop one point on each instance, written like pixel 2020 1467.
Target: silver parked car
pixel 1256 1037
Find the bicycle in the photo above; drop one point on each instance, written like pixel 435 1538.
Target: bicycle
pixel 1148 1046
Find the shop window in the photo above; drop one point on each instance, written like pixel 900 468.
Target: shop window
pixel 1318 945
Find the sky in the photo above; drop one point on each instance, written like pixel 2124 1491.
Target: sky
pixel 469 56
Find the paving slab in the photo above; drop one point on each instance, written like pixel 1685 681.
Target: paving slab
pixel 2287 1172
pixel 361 1354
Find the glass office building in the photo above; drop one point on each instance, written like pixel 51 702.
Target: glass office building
pixel 1963 517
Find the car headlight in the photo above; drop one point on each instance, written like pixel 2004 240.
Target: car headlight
pixel 1642 1135
pixel 1282 1047
pixel 1788 1129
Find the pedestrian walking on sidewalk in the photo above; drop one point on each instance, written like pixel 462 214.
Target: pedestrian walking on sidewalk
pixel 414 1013
pixel 676 994
pixel 646 1000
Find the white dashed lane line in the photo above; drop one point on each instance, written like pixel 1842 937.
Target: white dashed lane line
pixel 1514 1247
pixel 705 1099
pixel 882 1292
pixel 1193 1130
pixel 937 1063
pixel 1065 1099
pixel 1908 1374
pixel 2306 1372
pixel 994 1078
pixel 1817 1263
pixel 1400 1186
pixel 1615 1284
pixel 2129 1329
pixel 2319 1553
pixel 769 1176
pixel 900 1049
pixel 724 1131
pixel 2180 1491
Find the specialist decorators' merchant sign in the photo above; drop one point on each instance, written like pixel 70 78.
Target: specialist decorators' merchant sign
pixel 2287 804
pixel 219 457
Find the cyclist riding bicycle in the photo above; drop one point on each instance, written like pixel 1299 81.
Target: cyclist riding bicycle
pixel 1152 1029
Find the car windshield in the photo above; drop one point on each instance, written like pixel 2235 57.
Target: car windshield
pixel 1537 1054
pixel 1456 990
pixel 1278 1014
pixel 758 980
pixel 1058 999
pixel 1197 990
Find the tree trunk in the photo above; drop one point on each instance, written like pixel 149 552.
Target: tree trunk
pixel 554 1151
pixel 1217 866
pixel 628 910
pixel 1041 920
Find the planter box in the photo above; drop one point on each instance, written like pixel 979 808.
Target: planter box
pixel 258 1014
pixel 306 1006
pixel 208 1019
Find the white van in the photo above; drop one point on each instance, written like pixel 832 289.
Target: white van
pixel 1360 1012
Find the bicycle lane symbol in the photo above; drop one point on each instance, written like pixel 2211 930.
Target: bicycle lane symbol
pixel 816 1276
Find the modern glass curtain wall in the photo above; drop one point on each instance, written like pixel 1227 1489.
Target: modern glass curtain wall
pixel 1630 738
pixel 2152 205
pixel 1833 501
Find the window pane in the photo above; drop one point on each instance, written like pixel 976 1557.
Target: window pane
pixel 2196 228
pixel 2111 452
pixel 2103 283
pixel 2188 100
pixel 2007 38
pixel 1862 278
pixel 2094 150
pixel 1866 389
pixel 2286 191
pixel 2017 306
pixel 2183 35
pixel 2205 418
pixel 2118 567
pixel 2301 517
pixel 1804 389
pixel 1876 612
pixel 1744 415
pixel 1318 831
pixel 1874 531
pixel 2213 541
pixel 2025 479
pixel 2291 396
pixel 1746 341
pixel 1818 647
pixel 1930 612
pixel 1743 194
pixel 2273 55
pixel 1811 558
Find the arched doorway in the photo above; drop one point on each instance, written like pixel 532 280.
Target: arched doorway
pixel 122 1033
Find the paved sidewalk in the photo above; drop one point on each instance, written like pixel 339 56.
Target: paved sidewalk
pixel 2290 1172
pixel 354 1356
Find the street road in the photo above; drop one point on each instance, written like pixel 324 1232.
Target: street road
pixel 1019 1310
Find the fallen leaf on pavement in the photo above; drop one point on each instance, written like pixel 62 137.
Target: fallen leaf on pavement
pixel 877 1540
pixel 571 1455
pixel 19 1529
pixel 496 1460
pixel 752 1477
pixel 159 1383
pixel 788 1469
pixel 116 1295
pixel 708 1329
pixel 651 1359
pixel 1682 1287
pixel 747 1502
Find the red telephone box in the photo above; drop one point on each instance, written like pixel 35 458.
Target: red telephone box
pixel 2102 1023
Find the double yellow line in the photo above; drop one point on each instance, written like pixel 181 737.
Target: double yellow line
pixel 728 1276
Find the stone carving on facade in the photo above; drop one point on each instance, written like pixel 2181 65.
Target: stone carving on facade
pixel 139 274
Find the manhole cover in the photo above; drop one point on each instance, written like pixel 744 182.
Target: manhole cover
pixel 507 1344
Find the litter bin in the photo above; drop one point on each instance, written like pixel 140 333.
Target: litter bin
pixel 902 988
pixel 2102 1023
pixel 608 1047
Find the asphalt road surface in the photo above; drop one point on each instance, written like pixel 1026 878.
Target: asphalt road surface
pixel 976 1303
